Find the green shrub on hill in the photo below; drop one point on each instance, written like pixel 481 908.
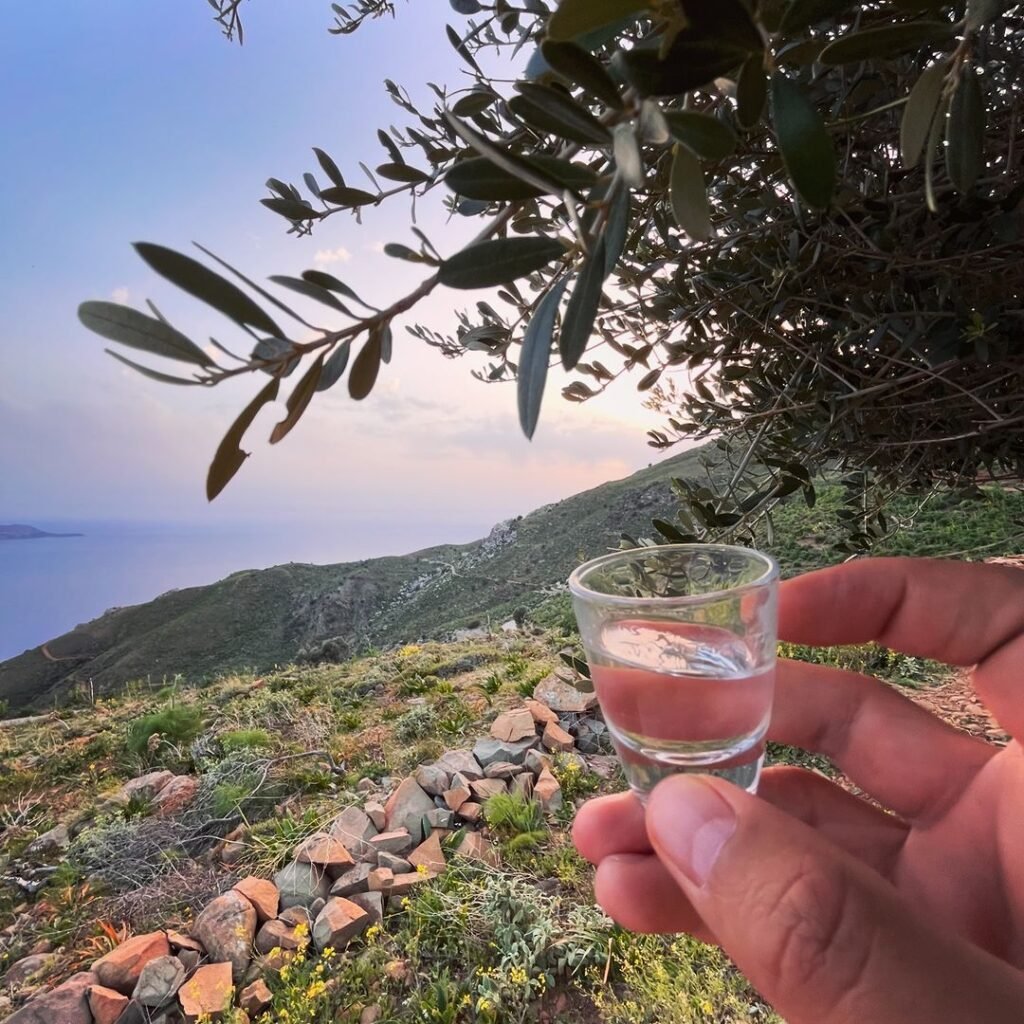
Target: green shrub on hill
pixel 177 725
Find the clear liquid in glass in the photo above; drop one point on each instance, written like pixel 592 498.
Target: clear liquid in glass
pixel 679 697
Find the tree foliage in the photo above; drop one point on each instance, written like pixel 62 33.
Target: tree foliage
pixel 797 225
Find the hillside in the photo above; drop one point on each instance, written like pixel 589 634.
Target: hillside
pixel 20 531
pixel 257 619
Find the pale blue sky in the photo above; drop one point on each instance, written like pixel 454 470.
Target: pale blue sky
pixel 127 120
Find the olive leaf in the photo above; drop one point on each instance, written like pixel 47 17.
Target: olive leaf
pixel 688 195
pixel 704 136
pixel 919 112
pixel 965 133
pixel 298 400
pixel 578 322
pixel 330 168
pixel 534 357
pixel 497 261
pixel 886 41
pixel 751 91
pixel 366 366
pixel 202 283
pixel 229 456
pixel 346 197
pixel 334 366
pixel 552 111
pixel 138 330
pixel 577 65
pixel 574 18
pixel 804 142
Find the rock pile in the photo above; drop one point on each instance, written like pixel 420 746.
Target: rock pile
pixel 338 883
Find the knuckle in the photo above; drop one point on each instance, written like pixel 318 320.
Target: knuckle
pixel 822 941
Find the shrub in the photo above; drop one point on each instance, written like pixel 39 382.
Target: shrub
pixel 245 739
pixel 177 725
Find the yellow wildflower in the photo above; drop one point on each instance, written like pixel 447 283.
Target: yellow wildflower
pixel 422 869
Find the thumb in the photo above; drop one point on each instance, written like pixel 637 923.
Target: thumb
pixel 821 936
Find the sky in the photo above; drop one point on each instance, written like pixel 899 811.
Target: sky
pixel 128 121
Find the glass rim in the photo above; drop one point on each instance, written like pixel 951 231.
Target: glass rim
pixel 579 589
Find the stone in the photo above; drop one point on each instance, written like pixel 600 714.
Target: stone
pixel 404 884
pixel 522 785
pixel 121 967
pixel 380 880
pixel 399 841
pixel 353 827
pixel 555 738
pixel 366 785
pixel 396 865
pixel 536 761
pixel 144 787
pixel 159 981
pixel 399 971
pixel 405 808
pixel 370 1014
pixel 604 765
pixel 471 811
pixel 227 927
pixel 262 894
pixel 327 852
pixel 460 781
pixel 299 884
pixel 438 818
pixel 278 934
pixel 475 847
pixel 190 960
pixel 316 906
pixel 175 796
pixel 540 713
pixel 489 750
pixel 560 695
pixel 105 1004
pixel 372 903
pixel 375 812
pixel 431 779
pixel 429 855
pixel 178 941
pixel 503 770
pixel 66 1004
pixel 455 798
pixel 255 998
pixel 21 971
pixel 512 726
pixel 297 915
pixel 461 762
pixel 338 923
pixel 209 991
pixel 57 840
pixel 484 789
pixel 353 880
pixel 274 960
pixel 547 792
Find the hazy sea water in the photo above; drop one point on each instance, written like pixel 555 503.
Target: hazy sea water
pixel 50 585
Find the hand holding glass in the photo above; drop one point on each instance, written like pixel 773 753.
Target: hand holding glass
pixel 681 645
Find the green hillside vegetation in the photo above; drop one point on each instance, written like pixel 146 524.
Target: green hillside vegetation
pixel 257 620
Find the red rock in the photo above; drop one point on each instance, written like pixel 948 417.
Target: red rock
pixel 375 812
pixel 455 798
pixel 262 894
pixel 547 792
pixel 541 713
pixel 556 738
pixel 278 934
pixel 380 880
pixel 404 884
pixel 227 927
pixel 208 991
pixel 398 842
pixel 338 923
pixel 406 806
pixel 512 726
pixel 327 852
pixel 484 789
pixel 66 1004
pixel 121 967
pixel 471 811
pixel 429 854
pixel 176 795
pixel 105 1004
pixel 475 847
pixel 255 998
pixel 145 787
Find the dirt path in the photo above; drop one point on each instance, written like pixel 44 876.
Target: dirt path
pixel 955 702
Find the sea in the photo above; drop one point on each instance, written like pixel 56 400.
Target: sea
pixel 50 585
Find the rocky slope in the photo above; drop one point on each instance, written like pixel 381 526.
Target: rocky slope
pixel 257 619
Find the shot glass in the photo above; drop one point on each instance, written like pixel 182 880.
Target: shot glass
pixel 681 645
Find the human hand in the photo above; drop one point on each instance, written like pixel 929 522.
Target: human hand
pixel 838 911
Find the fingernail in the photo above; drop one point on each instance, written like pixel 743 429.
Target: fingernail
pixel 689 824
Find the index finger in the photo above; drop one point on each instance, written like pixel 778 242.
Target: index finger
pixel 955 612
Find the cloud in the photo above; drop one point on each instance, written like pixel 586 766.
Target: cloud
pixel 339 255
pixel 120 295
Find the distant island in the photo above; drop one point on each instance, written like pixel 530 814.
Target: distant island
pixel 18 531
